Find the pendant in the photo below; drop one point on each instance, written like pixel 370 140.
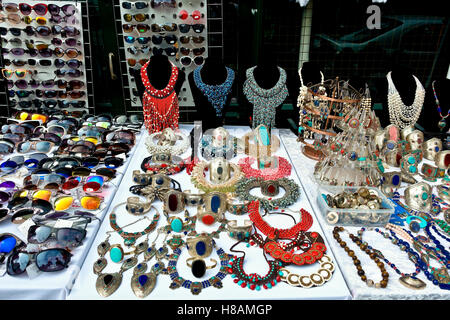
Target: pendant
pixel 140 268
pixel 143 284
pixel 108 283
pixel 99 265
pixel 129 263
pixel 412 283
pixel 103 248
pixel 161 253
pixel 441 275
pixel 149 253
pixel 442 124
pixel 196 288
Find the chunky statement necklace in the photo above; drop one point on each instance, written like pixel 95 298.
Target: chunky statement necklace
pixel 399 113
pixel 160 106
pixel 265 101
pixel 282 170
pixel 216 94
pixel 441 124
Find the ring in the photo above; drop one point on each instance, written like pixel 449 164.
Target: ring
pixel 422 224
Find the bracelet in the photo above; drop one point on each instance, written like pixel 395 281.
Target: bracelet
pixel 316 279
pixel 283 169
pixel 131 237
pixel 163 146
pixel 163 163
pixel 432 173
pixel 237 209
pixel 292 192
pixel 258 143
pixel 137 208
pixel 200 182
pixel 239 232
pixel 227 150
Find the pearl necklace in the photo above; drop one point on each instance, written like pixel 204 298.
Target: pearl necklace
pixel 399 113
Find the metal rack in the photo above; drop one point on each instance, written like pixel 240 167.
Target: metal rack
pixel 5 107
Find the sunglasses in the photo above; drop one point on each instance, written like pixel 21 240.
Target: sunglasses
pixel 134 50
pixel 23 214
pixel 134 119
pixel 54 128
pixel 66 237
pixel 196 15
pixel 132 62
pixel 69 52
pixel 30 116
pixel 6 147
pixel 141 40
pixel 106 149
pixel 194 39
pixel 49 260
pixel 67 31
pixel 72 42
pixel 170 39
pixel 163 3
pixel 12 164
pixel 75 104
pixel 195 51
pixel 170 51
pixel 121 136
pixel 139 17
pixel 90 183
pixel 74 73
pixel 197 28
pixel 20 73
pixel 11 18
pixel 40 146
pixel 63 203
pixel 68 9
pixel 141 28
pixel 138 5
pixel 39 20
pixel 40 9
pixel 14 137
pixel 171 27
pixel 108 162
pixel 67 19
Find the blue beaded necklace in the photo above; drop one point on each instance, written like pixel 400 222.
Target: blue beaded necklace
pixel 217 95
pixel 423 265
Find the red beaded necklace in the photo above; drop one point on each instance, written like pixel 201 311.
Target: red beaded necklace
pixel 271 232
pixel 160 106
pixel 281 171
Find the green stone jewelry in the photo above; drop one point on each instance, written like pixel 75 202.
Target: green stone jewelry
pixel 131 237
pixel 292 192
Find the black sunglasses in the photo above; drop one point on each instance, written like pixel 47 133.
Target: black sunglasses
pixel 49 260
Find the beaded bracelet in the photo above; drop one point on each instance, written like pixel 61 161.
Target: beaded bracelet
pixel 316 279
pixel 196 287
pixel 409 280
pixel 291 195
pixel 177 149
pixel 282 170
pixel 227 151
pixel 373 255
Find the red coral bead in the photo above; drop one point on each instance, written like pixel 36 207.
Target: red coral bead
pixel 252 287
pixel 243 284
pixel 236 280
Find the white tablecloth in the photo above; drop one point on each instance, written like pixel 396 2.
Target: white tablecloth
pixel 57 285
pixel 395 290
pixel 84 287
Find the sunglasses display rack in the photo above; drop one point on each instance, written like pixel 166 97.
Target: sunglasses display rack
pixel 177 29
pixel 45 56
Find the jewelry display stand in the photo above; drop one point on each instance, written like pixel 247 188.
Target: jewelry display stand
pixel 321 107
pixel 165 13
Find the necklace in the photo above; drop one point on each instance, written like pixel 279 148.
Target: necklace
pixel 271 232
pixel 400 114
pixel 409 280
pixel 108 283
pixel 131 237
pixel 292 192
pixel 160 106
pixel 216 94
pixel 265 101
pixel 283 169
pixel 370 252
pixel 441 123
pixel 196 287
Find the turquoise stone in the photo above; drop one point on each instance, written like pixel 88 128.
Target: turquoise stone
pixel 200 247
pixel 176 225
pixel 264 135
pixel 143 279
pixel 215 203
pixel 412 169
pixel 116 254
pixel 424 196
pixel 411 160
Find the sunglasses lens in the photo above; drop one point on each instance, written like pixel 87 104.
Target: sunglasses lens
pixel 128 27
pixel 54 9
pixel 43 205
pixel 38 234
pixel 17 202
pixel 81 171
pixel 70 237
pixel 63 203
pixel 113 162
pixel 90 162
pixel 52 260
pixel 31 163
pixel 7 243
pixel 40 9
pixel 42 194
pixel 22 215
pixel 24 147
pixel 91 186
pixel 199 60
pixel 24 8
pixel 186 61
pixel 90 203
pixel 43 146
pixel 7 185
pixel 69 9
pixel 17 263
pixel 70 184
pixel 72 53
pixel 4 196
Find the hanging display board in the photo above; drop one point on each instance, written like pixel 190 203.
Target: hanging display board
pixel 177 29
pixel 43 55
